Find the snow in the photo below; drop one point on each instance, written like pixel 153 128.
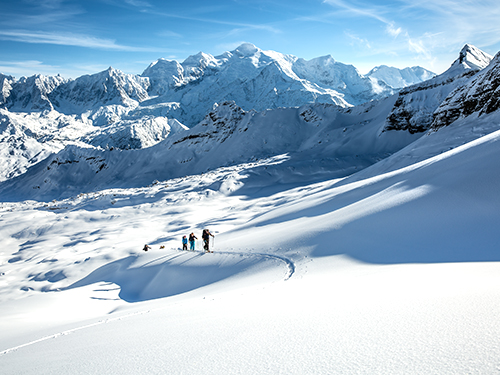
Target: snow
pixel 393 271
pixel 340 246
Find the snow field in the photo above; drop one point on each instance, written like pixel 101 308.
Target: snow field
pixel 394 270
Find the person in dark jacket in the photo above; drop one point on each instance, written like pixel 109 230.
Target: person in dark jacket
pixel 206 240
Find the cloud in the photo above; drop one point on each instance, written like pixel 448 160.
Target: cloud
pixel 169 34
pixel 357 40
pixel 139 3
pixel 77 40
pixel 392 30
pixel 239 26
pixel 362 10
pixel 27 68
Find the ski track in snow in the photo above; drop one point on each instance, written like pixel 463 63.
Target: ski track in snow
pixel 70 331
pixel 289 263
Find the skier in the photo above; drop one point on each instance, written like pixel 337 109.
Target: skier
pixel 184 243
pixel 192 239
pixel 146 247
pixel 206 240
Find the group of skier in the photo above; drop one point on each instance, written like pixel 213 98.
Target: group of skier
pixel 205 236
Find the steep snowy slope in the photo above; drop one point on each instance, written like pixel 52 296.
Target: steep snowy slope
pixel 415 106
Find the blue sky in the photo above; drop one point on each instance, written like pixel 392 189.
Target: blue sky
pixel 73 38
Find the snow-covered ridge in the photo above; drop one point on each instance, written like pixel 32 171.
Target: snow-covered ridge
pixel 480 96
pixel 415 106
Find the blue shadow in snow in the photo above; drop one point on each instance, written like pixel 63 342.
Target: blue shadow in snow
pixel 160 278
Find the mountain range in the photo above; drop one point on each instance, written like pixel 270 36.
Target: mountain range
pixel 113 129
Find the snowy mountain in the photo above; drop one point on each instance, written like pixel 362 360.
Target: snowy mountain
pixel 399 78
pixel 253 78
pixel 481 96
pixel 30 93
pixel 324 139
pixel 114 110
pixel 260 80
pixel 90 92
pixel 319 139
pixel 415 106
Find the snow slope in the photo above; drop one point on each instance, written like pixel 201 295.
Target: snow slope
pixel 319 140
pixel 388 271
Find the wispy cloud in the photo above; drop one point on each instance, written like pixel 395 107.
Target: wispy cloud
pixel 77 40
pixel 357 40
pixel 26 68
pixel 392 30
pixel 416 45
pixel 238 26
pixel 139 3
pixel 359 10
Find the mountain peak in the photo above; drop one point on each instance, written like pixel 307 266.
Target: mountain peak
pixel 246 49
pixel 472 58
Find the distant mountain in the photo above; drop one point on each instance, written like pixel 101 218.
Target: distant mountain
pixel 399 78
pixel 253 78
pixel 260 80
pixel 114 110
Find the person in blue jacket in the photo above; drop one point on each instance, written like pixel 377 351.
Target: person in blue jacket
pixel 184 243
pixel 192 242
